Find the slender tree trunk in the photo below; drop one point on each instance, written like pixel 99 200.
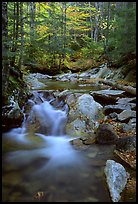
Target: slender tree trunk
pixel 14 26
pixel 91 21
pixel 101 5
pixel 32 20
pixel 22 34
pixel 16 33
pixel 64 28
pixel 75 39
pixel 107 29
pixel 5 49
pixel 96 24
pixel 32 26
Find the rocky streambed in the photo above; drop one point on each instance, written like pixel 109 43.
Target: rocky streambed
pixel 103 122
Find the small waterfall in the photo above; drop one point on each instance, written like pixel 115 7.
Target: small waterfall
pixel 54 120
pixel 56 145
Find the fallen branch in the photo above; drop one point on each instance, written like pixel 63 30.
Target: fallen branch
pixel 129 89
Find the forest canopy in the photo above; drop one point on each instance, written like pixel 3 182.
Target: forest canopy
pixel 53 35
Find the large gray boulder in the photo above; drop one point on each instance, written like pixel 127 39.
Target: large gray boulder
pixel 88 107
pixel 83 115
pixel 116 177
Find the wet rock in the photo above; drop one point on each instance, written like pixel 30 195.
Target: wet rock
pixel 64 93
pixel 113 116
pixel 109 92
pixel 125 115
pixel 132 120
pixel 104 99
pixel 105 134
pixel 126 100
pixel 132 123
pixel 76 128
pixel 67 77
pixel 116 108
pixel 90 73
pixel 106 96
pixel 78 144
pixel 46 95
pixel 90 139
pixel 130 126
pixel 116 176
pixel 33 82
pixel 40 76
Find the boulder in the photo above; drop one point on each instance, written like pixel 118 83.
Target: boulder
pixel 105 134
pixel 106 97
pixel 83 115
pixel 33 82
pixel 118 108
pixel 76 128
pixel 126 115
pixel 127 143
pixel 12 115
pixel 116 177
pixel 126 100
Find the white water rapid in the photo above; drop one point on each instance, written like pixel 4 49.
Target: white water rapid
pixel 55 148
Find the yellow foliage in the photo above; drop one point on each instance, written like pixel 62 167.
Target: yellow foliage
pixel 79 28
pixel 42 29
pixel 85 15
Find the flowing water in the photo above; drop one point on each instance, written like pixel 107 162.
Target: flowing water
pixel 44 166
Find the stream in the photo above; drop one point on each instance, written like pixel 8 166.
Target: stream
pixel 44 166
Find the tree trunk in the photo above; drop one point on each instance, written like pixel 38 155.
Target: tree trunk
pixel 129 89
pixel 22 34
pixel 101 5
pixel 32 20
pixel 107 29
pixel 91 21
pixel 5 49
pixel 96 24
pixel 15 34
pixel 32 26
pixel 64 29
